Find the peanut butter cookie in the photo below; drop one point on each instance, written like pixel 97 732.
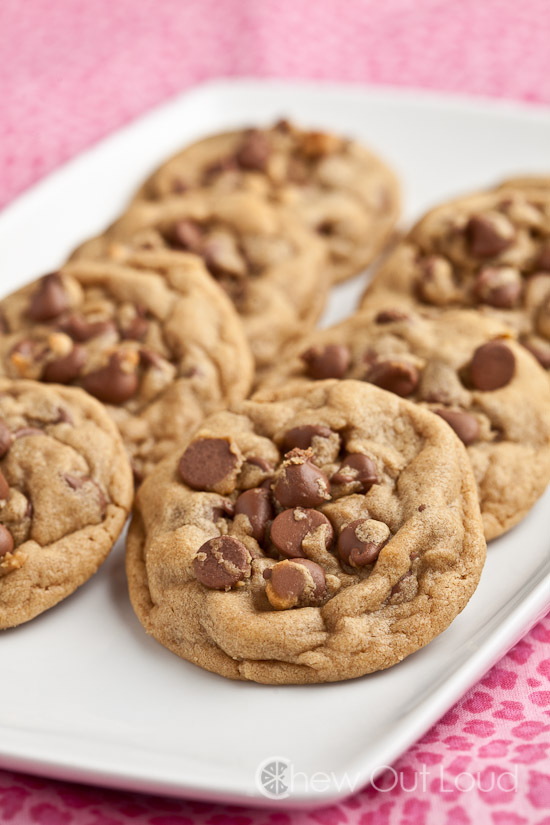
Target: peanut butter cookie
pixel 307 538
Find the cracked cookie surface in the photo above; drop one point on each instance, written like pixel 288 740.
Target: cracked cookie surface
pixel 491 251
pixel 307 538
pixel 65 491
pixel 463 367
pixel 339 188
pixel 272 267
pixel 155 340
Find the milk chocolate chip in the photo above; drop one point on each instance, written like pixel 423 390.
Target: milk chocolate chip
pixel 465 425
pixel 331 361
pixel 296 583
pixel 359 468
pixel 300 483
pixel 67 368
pixel 360 542
pixel 6 541
pixel 254 151
pixel 389 316
pixel 489 234
pixel 49 299
pixel 4 488
pixel 395 376
pixel 492 367
pixel 290 528
pixel 256 506
pixel 5 438
pixel 81 330
pixel 302 437
pixel 499 287
pixel 207 463
pixel 221 563
pixel 117 382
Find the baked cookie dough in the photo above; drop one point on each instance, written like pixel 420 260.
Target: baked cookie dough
pixel 343 192
pixel 272 268
pixel 491 251
pixel 307 538
pixel 463 367
pixel 155 339
pixel 65 491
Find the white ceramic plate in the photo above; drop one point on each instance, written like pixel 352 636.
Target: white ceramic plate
pixel 87 695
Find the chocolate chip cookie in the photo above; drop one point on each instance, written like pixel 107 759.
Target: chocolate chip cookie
pixel 463 367
pixel 342 191
pixel 307 538
pixel 155 339
pixel 490 251
pixel 65 492
pixel 272 268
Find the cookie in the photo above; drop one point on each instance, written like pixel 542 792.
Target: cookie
pixel 307 538
pixel 272 267
pixel 463 367
pixel 155 339
pixel 343 192
pixel 65 491
pixel 490 251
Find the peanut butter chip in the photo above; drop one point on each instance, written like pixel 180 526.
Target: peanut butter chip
pixel 207 462
pixel 331 361
pixel 300 483
pixel 465 425
pixel 290 528
pixel 6 541
pixel 221 563
pixel 359 468
pixel 256 506
pixel 49 299
pixel 395 376
pixel 296 583
pixel 493 366
pixel 115 383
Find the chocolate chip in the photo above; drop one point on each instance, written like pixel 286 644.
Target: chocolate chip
pixel 254 151
pixel 543 259
pixel 488 235
pixel 359 468
pixel 492 367
pixel 436 284
pixel 540 349
pixel 223 508
pixel 256 506
pixel 331 361
pixel 388 316
pixel 6 541
pixel 206 463
pixel 5 438
pixel 396 376
pixel 78 482
pixel 189 235
pixel 115 383
pixel 302 437
pixel 290 528
pixel 79 329
pixel 360 542
pixel 296 583
pixel 24 432
pixel 421 508
pixel 258 461
pixel 49 299
pixel 222 562
pixel 136 330
pixel 499 287
pixel 299 482
pixel 4 488
pixel 465 425
pixel 66 369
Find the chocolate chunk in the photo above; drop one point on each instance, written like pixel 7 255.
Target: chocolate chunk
pixel 4 488
pixel 300 483
pixel 290 528
pixel 189 235
pixel 465 425
pixel 5 438
pixel 488 235
pixel 6 541
pixel 66 369
pixel 399 377
pixel 499 287
pixel 388 316
pixel 222 562
pixel 256 506
pixel 331 361
pixel 543 258
pixel 115 383
pixel 206 463
pixel 49 299
pixel 359 468
pixel 296 583
pixel 254 151
pixel 360 542
pixel 492 367
pixel 302 437
pixel 79 329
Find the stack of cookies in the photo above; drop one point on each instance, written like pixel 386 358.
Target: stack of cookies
pixel 309 505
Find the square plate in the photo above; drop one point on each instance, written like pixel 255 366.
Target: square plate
pixel 91 697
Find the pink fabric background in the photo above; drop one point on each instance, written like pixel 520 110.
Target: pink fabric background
pixel 71 71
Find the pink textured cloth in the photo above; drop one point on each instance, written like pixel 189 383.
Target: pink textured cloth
pixel 72 71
